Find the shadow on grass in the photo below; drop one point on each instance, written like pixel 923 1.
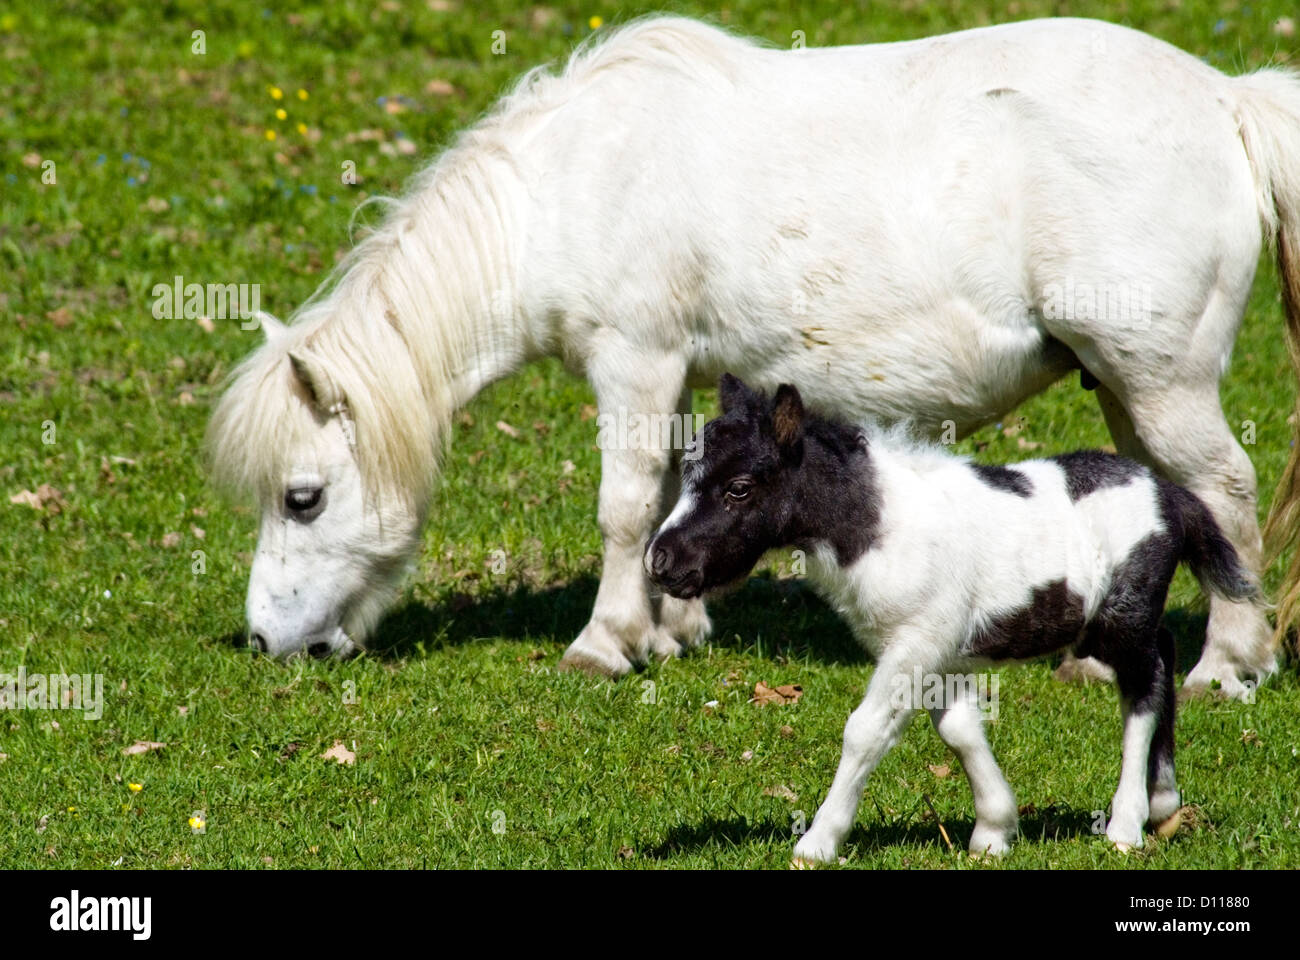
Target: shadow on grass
pixel 778 618
pixel 772 617
pixel 1051 824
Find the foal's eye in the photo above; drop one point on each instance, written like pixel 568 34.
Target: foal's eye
pixel 302 499
pixel 738 490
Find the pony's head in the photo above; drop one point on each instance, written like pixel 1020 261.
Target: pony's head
pixel 325 426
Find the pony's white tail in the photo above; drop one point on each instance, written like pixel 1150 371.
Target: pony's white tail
pixel 1268 112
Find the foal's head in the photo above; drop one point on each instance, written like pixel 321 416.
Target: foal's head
pixel 768 475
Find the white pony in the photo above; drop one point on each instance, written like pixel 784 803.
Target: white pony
pixel 928 231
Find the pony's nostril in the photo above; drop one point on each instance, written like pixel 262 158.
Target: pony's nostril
pixel 257 642
pixel 319 650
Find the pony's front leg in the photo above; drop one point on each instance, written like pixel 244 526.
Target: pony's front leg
pixel 635 392
pixel 873 728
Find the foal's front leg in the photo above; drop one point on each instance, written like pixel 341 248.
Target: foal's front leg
pixel 873 728
pixel 961 726
pixel 634 390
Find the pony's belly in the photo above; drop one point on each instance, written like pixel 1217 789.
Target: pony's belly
pixel 941 384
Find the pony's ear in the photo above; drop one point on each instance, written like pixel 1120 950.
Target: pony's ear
pixel 787 416
pixel 734 395
pixel 272 327
pixel 318 384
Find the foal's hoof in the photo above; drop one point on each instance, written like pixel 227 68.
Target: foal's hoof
pixel 1167 828
pixel 1087 670
pixel 800 863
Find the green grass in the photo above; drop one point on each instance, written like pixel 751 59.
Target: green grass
pixel 463 726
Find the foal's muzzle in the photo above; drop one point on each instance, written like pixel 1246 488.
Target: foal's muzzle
pixel 678 576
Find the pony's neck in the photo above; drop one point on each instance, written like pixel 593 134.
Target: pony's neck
pixel 444 273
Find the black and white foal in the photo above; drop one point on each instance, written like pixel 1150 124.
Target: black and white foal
pixel 941 565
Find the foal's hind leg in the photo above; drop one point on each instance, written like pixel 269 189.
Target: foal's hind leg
pixel 1162 785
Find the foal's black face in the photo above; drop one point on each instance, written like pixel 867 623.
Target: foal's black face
pixel 738 499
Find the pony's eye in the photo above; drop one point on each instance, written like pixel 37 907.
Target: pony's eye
pixel 302 499
pixel 739 489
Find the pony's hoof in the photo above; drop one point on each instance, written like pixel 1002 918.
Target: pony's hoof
pixel 596 651
pixel 581 663
pixel 801 863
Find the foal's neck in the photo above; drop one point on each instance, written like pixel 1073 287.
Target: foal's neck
pixel 837 495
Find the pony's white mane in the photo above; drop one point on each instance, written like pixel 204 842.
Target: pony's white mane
pixel 400 317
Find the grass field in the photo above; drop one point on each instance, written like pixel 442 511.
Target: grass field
pixel 470 749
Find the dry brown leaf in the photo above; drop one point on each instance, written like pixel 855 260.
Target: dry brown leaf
pixel 142 746
pixel 782 791
pixel 508 430
pixel 171 539
pixel 439 88
pixel 940 770
pixel 45 497
pixel 786 693
pixel 340 753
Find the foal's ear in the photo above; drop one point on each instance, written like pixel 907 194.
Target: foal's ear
pixel 787 415
pixel 311 374
pixel 734 395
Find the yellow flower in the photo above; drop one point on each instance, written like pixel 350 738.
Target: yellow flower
pixel 275 92
pixel 280 114
pixel 595 23
pixel 270 134
pixel 302 128
pixel 72 809
pixel 197 823
pixel 135 787
pixel 302 94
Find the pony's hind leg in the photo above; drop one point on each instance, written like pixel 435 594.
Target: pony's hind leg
pixel 1187 438
pixel 629 383
pixel 961 727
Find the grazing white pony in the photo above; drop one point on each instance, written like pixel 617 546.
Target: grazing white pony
pixel 928 231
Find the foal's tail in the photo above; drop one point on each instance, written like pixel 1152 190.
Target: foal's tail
pixel 1268 114
pixel 1208 552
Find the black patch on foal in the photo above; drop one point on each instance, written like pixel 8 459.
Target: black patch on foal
pixel 1087 471
pixel 1053 619
pixel 1004 478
